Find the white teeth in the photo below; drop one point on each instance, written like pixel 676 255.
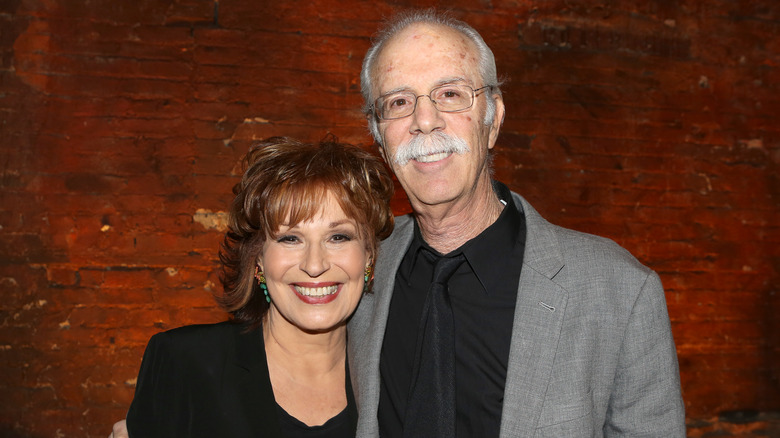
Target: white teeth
pixel 433 157
pixel 317 291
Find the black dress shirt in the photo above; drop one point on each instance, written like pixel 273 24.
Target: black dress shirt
pixel 483 292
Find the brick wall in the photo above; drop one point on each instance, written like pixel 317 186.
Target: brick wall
pixel 653 123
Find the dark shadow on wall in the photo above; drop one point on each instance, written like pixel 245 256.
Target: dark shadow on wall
pixel 7 431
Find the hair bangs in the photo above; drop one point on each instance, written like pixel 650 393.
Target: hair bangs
pixel 301 201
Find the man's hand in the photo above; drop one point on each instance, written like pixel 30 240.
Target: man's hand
pixel 120 430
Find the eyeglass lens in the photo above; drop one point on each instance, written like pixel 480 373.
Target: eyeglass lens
pixel 447 98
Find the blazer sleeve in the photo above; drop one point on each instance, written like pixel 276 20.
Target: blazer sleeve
pixel 646 399
pixel 153 411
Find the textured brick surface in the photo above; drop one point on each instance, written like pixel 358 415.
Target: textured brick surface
pixel 653 123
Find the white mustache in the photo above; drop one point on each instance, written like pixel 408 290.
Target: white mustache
pixel 435 143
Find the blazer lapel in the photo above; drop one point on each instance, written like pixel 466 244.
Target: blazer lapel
pixel 539 313
pixel 367 327
pixel 247 390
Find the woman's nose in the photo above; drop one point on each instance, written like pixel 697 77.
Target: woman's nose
pixel 315 261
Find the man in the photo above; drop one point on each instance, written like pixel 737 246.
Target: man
pixel 557 333
pixel 546 332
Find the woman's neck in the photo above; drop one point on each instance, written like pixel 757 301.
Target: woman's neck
pixel 311 352
pixel 307 370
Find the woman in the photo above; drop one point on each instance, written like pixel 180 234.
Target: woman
pixel 304 229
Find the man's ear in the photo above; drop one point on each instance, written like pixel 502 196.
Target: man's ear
pixel 382 152
pixel 374 129
pixel 498 120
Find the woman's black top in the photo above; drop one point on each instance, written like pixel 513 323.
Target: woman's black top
pixel 212 381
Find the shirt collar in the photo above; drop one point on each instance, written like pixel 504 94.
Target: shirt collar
pixel 490 251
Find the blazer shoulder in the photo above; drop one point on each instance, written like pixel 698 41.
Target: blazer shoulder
pixel 597 251
pixel 400 237
pixel 598 270
pixel 197 340
pixel 404 220
pixel 404 225
pixel 554 249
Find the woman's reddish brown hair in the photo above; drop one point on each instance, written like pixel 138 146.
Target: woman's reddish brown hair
pixel 287 180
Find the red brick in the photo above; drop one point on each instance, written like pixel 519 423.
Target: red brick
pixel 652 123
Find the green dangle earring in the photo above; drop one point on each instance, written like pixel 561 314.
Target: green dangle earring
pixel 368 277
pixel 261 281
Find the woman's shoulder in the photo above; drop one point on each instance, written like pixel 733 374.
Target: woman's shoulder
pixel 198 339
pixel 197 330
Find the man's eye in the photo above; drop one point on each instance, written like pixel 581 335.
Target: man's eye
pixel 449 94
pixel 399 102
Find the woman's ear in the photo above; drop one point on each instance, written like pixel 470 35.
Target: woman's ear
pixel 258 265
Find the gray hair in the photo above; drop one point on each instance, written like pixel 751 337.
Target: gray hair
pixel 487 62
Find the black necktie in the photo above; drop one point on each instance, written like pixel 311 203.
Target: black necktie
pixel 430 411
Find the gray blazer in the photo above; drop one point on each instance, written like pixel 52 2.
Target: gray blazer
pixel 591 353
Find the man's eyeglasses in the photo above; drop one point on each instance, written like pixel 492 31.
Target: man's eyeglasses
pixel 451 98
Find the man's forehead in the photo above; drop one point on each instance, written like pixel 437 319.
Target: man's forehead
pixel 422 50
pixel 431 36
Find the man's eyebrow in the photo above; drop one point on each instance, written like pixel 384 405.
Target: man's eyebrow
pixel 394 90
pixel 452 80
pixel 439 83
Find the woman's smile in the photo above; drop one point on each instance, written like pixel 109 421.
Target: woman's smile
pixel 321 293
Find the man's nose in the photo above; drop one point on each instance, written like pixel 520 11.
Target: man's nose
pixel 426 117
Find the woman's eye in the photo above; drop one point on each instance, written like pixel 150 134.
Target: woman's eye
pixel 341 238
pixel 287 239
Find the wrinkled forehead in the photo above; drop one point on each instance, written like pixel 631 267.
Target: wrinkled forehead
pixel 425 53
